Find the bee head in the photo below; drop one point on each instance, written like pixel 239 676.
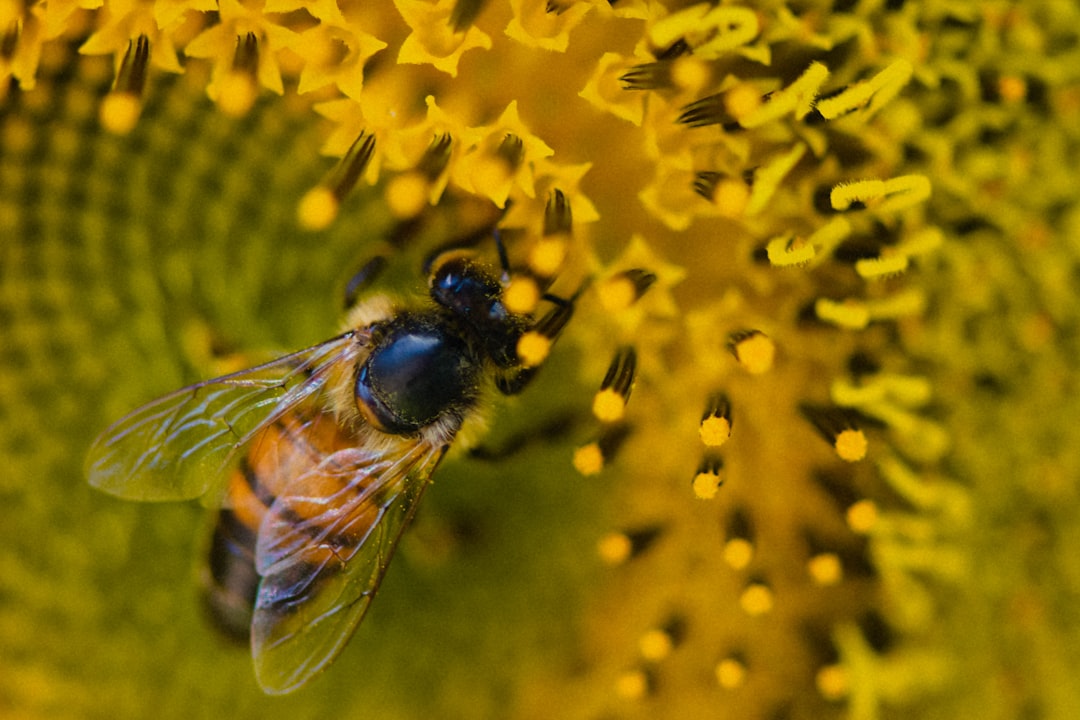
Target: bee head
pixel 473 295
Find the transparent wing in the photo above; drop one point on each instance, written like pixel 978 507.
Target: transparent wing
pixel 178 446
pixel 322 555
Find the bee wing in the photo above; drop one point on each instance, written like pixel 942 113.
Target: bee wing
pixel 322 556
pixel 177 447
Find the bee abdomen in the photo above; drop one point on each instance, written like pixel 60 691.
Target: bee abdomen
pixel 230 582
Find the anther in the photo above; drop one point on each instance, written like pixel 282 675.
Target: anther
pixel 647 76
pixel 623 289
pixel 708 479
pixel 757 598
pixel 547 255
pixel 9 41
pixel 715 428
pixel 825 567
pixel 731 671
pixel 657 643
pixel 615 548
pixel 838 427
pixel 711 110
pixel 591 458
pixel 320 205
pixel 121 107
pixel 609 404
pixel 238 87
pixel 436 157
pixel 739 543
pixel 753 349
pixel 557 216
pixel 522 294
pixel 633 684
pixel 465 13
pixel 511 149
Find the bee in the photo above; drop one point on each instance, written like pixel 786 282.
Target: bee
pixel 318 459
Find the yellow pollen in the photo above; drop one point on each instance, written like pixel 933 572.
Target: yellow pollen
pixel 689 73
pixel 731 197
pixel 632 685
pixel 317 209
pixel 547 255
pixel 825 569
pixel 851 445
pixel 533 348
pixel 706 485
pixel 608 406
pixel 522 295
pixel 655 645
pixel 742 100
pixel 1013 89
pixel 614 548
pixel 832 682
pixel 756 600
pixel 715 431
pixel 588 460
pixel 120 112
pixel 616 293
pixel 236 93
pixel 730 673
pixel 756 353
pixel 407 195
pixel 738 552
pixel 862 516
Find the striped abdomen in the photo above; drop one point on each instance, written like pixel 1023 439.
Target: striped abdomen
pixel 289 448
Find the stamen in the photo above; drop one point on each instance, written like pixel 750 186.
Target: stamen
pixel 435 159
pixel 622 290
pixel 557 216
pixel 609 404
pixel 591 458
pixel 715 428
pixel 711 110
pixel 757 598
pixel 656 644
pixel 731 671
pixel 239 86
pixel 615 548
pixel 511 150
pixel 319 206
pixel 838 427
pixel 547 255
pixel 647 76
pixel 753 349
pixel 465 13
pixel 739 546
pixel 730 195
pixel 521 295
pixel 633 684
pixel 707 481
pixel 121 107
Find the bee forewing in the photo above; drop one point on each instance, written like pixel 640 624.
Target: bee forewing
pixel 178 446
pixel 322 558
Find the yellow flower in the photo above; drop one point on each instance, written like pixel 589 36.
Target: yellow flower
pixel 808 434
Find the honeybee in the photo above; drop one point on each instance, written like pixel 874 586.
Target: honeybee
pixel 318 459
